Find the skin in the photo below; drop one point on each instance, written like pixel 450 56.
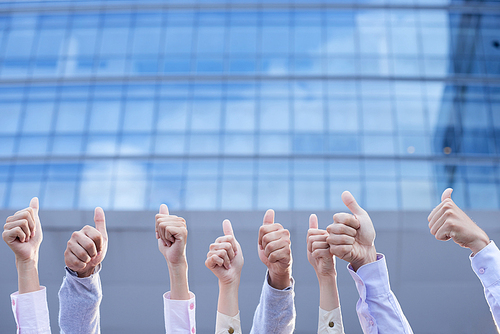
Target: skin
pixel 323 262
pixel 274 248
pixel 87 248
pixel 23 234
pixel 225 260
pixel 352 236
pixel 171 232
pixel 447 221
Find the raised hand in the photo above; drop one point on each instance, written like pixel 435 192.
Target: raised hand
pixel 318 250
pixel 448 221
pixel 274 248
pixel 23 232
pixel 351 236
pixel 225 258
pixel 171 232
pixel 87 248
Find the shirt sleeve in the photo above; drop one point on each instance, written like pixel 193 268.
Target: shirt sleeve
pixel 79 301
pixel 276 310
pixel 179 314
pixel 378 308
pixel 227 325
pixel 330 322
pixel 31 312
pixel 486 265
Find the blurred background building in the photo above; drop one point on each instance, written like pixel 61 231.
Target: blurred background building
pixel 223 109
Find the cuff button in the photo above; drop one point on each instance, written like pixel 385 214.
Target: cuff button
pixel 230 330
pixel 331 324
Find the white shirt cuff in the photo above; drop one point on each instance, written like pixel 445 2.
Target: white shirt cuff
pixel 227 325
pixel 330 322
pixel 486 264
pixel 179 314
pixel 31 312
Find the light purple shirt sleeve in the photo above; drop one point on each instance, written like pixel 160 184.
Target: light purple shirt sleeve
pixel 378 309
pixel 179 314
pixel 486 265
pixel 31 312
pixel 276 310
pixel 79 301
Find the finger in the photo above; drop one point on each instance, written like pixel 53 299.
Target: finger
pixel 313 221
pixel 100 222
pixel 346 219
pixel 269 217
pixel 342 229
pixel 96 237
pixel 164 209
pixel 265 229
pixel 34 205
pixel 228 239
pixel 438 223
pixel 351 203
pixel 320 245
pixel 446 194
pixel 274 246
pixel 79 251
pixel 226 246
pixel 317 253
pixel 340 251
pixel 433 212
pixel 22 224
pixel 281 234
pixel 227 227
pixel 214 261
pixel 280 255
pixel 221 253
pixel 311 239
pixel 444 211
pixel 72 261
pixel 334 239
pixel 13 234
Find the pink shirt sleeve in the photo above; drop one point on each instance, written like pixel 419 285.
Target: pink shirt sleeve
pixel 31 312
pixel 179 315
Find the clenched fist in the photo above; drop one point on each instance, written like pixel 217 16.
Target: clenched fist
pixel 351 236
pixel 274 247
pixel 318 250
pixel 448 221
pixel 171 232
pixel 87 248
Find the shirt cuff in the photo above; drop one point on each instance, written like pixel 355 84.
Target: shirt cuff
pixel 179 314
pixel 330 322
pixel 227 325
pixel 31 311
pixel 372 279
pixel 486 264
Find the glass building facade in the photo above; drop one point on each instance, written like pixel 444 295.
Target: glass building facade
pixel 249 105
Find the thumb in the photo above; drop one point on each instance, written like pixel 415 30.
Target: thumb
pixel 164 209
pixel 34 205
pixel 269 217
pixel 446 194
pixel 227 227
pixel 100 221
pixel 351 203
pixel 313 221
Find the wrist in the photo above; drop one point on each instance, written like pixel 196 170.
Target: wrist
pixel 371 256
pixel 479 244
pixel 327 280
pixel 84 273
pixel 27 264
pixel 280 281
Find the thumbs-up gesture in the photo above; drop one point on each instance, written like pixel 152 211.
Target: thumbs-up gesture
pixel 351 236
pixel 275 251
pixel 171 232
pixel 225 258
pixel 318 250
pixel 23 233
pixel 87 247
pixel 448 221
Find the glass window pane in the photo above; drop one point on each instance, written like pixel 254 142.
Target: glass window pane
pixel 274 115
pixel 146 41
pixel 483 195
pixel 239 144
pixel 38 117
pixel 274 144
pixel 129 195
pixel 210 40
pixel 105 116
pixel 170 144
pixel 166 191
pixel 243 40
pixel 21 193
pixel 101 145
pixel 19 43
pixel 343 115
pixel 417 194
pixel 173 115
pixel 337 187
pixel 410 115
pixel 273 193
pixel 201 194
pixel 240 115
pixel 138 115
pixel 114 41
pixel 404 40
pixel 178 40
pixel 236 194
pixel 309 195
pixel 377 116
pixel 341 40
pixel 67 145
pixel 51 43
pixel 71 116
pixel 381 195
pixel 308 40
pixel 10 117
pixel 95 192
pixel 204 144
pixel 59 194
pixel 33 145
pixel 206 115
pixel 82 42
pixel 309 115
pixel 135 144
pixel 275 40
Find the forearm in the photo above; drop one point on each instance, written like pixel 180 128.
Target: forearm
pixel 328 293
pixel 228 299
pixel 27 276
pixel 179 287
